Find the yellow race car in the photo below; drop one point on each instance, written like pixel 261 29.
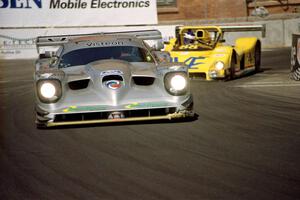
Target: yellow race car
pixel 201 48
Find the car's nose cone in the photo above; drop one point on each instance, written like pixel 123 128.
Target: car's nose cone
pixel 113 84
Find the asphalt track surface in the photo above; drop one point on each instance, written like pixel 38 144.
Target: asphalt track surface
pixel 245 144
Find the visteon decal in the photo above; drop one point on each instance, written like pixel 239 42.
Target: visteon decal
pixel 113 43
pixel 98 4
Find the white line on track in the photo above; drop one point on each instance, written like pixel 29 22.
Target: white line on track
pixel 269 84
pixel 269 49
pixel 15 81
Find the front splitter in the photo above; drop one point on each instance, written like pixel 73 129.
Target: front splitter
pixel 162 117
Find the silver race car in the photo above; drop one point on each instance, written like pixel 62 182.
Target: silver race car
pixel 112 77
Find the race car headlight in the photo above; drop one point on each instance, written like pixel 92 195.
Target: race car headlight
pixel 176 83
pixel 219 65
pixel 49 91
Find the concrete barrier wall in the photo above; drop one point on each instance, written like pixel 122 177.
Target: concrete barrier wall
pixel 278 32
pixel 275 34
pixel 20 43
pixel 291 27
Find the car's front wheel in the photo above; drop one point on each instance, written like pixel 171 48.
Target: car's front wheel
pixel 39 124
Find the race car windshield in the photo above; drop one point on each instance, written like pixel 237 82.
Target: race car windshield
pixel 88 55
pixel 197 39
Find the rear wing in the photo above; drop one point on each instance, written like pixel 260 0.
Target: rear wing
pixel 245 28
pixel 237 28
pixel 152 37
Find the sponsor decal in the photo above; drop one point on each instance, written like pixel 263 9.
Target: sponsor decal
pixel 19 4
pixel 75 4
pixel 189 47
pixel 191 62
pixel 84 108
pixel 147 105
pixel 111 72
pixel 98 4
pixel 105 44
pixel 133 105
pixel 70 109
pixel 113 84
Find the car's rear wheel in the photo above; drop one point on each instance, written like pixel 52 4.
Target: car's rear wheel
pixel 257 57
pixel 232 68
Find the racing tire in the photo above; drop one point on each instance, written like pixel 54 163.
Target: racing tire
pixel 40 125
pixel 257 57
pixel 232 68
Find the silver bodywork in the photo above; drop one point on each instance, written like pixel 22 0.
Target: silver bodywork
pixel 108 90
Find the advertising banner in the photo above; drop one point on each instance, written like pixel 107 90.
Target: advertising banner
pixel 23 20
pixel 12 47
pixel 295 57
pixel 65 13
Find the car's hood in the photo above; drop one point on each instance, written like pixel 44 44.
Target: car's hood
pixel 104 78
pixel 128 68
pixel 102 68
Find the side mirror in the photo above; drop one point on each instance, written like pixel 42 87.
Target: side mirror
pixel 222 40
pixel 155 45
pixel 53 60
pixel 162 56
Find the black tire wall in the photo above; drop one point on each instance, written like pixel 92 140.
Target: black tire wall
pixel 295 57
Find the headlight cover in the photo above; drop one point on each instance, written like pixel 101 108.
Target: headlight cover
pixel 219 65
pixel 49 91
pixel 176 83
